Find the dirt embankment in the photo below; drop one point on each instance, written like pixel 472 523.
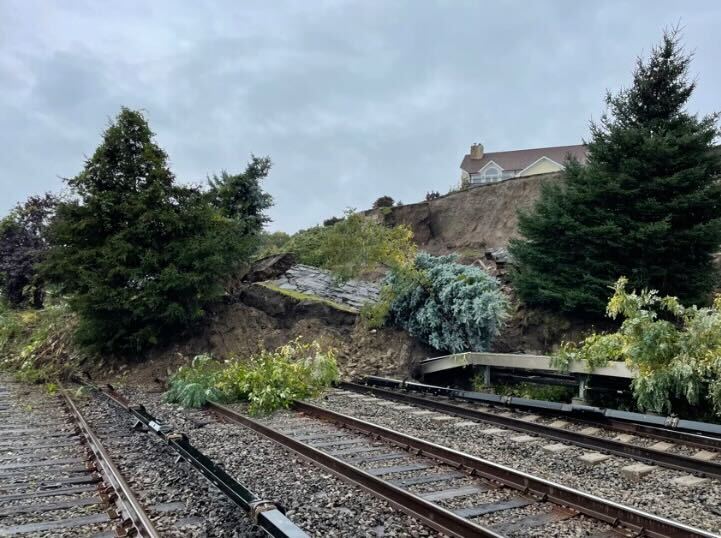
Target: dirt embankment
pixel 471 220
pixel 259 318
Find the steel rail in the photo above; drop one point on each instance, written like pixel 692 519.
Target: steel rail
pixel 640 453
pixel 266 514
pixel 128 503
pixel 431 514
pixel 689 432
pixel 610 512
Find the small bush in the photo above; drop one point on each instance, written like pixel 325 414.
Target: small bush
pixel 271 243
pixel 450 306
pixel 268 381
pixel 194 385
pixel 432 195
pixel 383 201
pixel 674 349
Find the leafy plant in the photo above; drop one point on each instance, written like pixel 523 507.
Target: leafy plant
pixel 450 306
pixel 194 385
pixel 645 205
pixel 675 350
pixel 353 245
pixel 268 381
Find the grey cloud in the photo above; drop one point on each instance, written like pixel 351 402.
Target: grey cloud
pixel 351 99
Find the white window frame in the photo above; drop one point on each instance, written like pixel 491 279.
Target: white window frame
pixel 487 179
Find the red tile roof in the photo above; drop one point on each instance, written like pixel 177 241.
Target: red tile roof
pixel 519 159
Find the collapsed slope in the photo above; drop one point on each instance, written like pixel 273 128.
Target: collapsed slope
pixel 475 219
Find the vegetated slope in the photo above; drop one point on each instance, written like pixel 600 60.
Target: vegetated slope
pixel 473 219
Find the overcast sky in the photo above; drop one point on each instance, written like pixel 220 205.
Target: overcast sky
pixel 351 100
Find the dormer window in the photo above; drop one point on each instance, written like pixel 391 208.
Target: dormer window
pixel 491 173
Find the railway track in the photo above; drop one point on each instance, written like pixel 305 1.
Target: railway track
pixel 265 514
pixel 56 478
pixel 452 492
pixel 691 453
pixel 670 429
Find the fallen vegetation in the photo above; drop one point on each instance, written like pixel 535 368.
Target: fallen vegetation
pixel 450 306
pixel 675 350
pixel 268 381
pixel 37 345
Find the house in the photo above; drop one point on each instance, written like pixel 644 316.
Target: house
pixel 479 168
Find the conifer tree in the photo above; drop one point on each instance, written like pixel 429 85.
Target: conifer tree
pixel 138 256
pixel 647 205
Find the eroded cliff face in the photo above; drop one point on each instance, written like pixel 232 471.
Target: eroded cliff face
pixel 479 218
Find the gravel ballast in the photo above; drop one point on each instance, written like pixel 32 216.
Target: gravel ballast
pixel 697 506
pixel 179 501
pixel 315 500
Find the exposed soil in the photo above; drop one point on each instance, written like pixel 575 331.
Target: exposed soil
pixel 259 318
pixel 471 220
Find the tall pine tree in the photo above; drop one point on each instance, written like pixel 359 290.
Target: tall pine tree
pixel 647 205
pixel 138 256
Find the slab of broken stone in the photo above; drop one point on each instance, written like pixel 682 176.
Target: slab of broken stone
pixel 270 267
pixel 321 283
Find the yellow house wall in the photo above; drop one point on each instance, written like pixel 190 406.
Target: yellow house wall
pixel 542 167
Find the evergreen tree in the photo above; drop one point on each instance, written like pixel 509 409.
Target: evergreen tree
pixel 23 245
pixel 645 206
pixel 240 197
pixel 138 256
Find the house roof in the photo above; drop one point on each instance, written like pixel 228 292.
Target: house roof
pixel 520 159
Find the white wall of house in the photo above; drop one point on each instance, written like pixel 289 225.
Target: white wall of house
pixel 492 173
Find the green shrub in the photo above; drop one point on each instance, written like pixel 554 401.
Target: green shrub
pixel 270 243
pixel 674 350
pixel 194 385
pixel 450 306
pixel 36 345
pixel 268 381
pixel 353 245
